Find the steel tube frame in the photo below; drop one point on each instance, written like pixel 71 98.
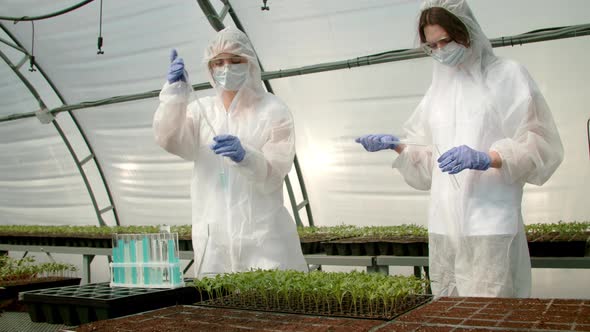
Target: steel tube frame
pixel 42 105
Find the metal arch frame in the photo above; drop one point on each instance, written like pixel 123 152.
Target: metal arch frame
pixel 216 21
pixel 50 15
pixel 79 163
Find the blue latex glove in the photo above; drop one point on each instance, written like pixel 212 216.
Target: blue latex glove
pixel 176 71
pixel 463 157
pixel 228 146
pixel 377 142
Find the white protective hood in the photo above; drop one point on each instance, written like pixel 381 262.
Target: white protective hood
pixel 487 103
pixel 239 220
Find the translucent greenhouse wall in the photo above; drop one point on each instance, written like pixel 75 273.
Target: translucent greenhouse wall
pixel 41 185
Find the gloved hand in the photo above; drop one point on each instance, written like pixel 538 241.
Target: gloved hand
pixel 377 142
pixel 459 158
pixel 228 146
pixel 176 71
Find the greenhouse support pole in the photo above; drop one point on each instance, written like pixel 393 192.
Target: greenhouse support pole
pixel 42 106
pixel 294 206
pixel 216 21
pixel 385 57
pixel 19 47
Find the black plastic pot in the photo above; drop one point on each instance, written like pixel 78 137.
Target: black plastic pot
pixel 384 248
pixel 185 245
pixel 311 247
pixel 371 249
pixel 343 249
pixel 330 248
pixel 414 248
pixel 399 249
pixel 557 248
pixel 357 249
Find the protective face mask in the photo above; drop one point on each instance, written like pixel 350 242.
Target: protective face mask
pixel 452 54
pixel 231 77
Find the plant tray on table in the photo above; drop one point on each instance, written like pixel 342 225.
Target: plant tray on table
pixel 313 238
pixel 399 240
pixel 20 275
pixel 74 305
pixel 82 236
pixel 354 294
pixel 558 240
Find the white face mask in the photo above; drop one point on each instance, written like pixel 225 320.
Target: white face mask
pixel 452 54
pixel 231 77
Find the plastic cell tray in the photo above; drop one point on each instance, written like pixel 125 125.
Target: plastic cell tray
pixel 74 305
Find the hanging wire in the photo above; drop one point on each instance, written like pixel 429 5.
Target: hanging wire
pixel 32 57
pixel 99 43
pixel 588 133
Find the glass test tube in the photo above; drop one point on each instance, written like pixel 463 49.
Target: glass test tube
pixel 145 244
pixel 133 259
pixel 126 259
pixel 454 180
pixel 172 260
pixel 154 270
pixel 222 173
pixel 118 275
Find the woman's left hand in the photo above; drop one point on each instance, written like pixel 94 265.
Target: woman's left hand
pixel 463 157
pixel 228 146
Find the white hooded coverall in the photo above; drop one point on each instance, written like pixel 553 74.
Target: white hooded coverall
pixel 239 221
pixel 477 244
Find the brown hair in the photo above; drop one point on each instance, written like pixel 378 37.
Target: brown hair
pixel 453 25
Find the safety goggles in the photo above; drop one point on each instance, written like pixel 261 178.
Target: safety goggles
pixel 225 60
pixel 428 48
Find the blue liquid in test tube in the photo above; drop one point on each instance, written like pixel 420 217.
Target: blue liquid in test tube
pixel 146 254
pixel 116 259
pixel 171 256
pixel 133 259
pixel 120 259
pixel 172 259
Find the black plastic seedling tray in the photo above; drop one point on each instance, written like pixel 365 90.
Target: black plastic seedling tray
pixel 74 305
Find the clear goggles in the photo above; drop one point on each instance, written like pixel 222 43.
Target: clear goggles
pixel 220 61
pixel 428 48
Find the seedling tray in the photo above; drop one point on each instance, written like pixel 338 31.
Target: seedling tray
pixel 496 314
pixel 74 305
pixel 368 246
pixel 314 243
pixel 349 307
pixel 198 318
pixel 86 241
pixel 9 290
pixel 557 245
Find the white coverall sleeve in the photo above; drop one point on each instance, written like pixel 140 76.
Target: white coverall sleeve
pixel 173 125
pixel 269 166
pixel 532 150
pixel 415 162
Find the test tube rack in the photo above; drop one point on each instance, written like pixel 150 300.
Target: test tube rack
pixel 146 261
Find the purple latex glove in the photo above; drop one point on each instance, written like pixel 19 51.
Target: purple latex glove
pixel 463 157
pixel 378 142
pixel 228 146
pixel 176 71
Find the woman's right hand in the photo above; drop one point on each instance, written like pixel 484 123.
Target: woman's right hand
pixel 176 71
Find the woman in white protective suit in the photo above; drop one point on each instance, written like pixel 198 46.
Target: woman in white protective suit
pixel 242 144
pixel 496 133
